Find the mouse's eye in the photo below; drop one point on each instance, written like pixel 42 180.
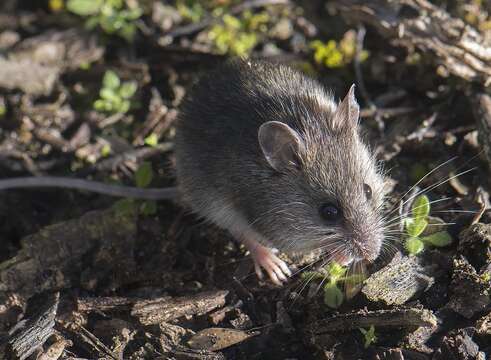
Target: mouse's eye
pixel 368 191
pixel 330 212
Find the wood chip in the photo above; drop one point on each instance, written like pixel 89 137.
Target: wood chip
pixel 387 319
pixel 214 339
pixel 167 308
pixel 398 282
pixel 34 331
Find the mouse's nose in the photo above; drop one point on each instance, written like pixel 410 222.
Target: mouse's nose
pixel 367 247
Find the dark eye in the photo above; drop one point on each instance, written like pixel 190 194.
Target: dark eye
pixel 330 212
pixel 368 191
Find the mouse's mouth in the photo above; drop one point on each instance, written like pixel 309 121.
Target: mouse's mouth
pixel 343 259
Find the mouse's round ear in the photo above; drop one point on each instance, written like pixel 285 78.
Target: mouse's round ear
pixel 347 113
pixel 281 145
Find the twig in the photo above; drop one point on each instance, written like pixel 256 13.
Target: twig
pixel 134 155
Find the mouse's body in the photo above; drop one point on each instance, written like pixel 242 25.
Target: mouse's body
pixel 266 153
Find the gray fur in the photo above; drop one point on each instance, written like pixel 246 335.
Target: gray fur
pixel 225 177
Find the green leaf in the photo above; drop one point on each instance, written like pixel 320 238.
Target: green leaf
pixel 369 336
pixel 333 297
pixel 106 150
pixel 421 207
pixel 128 89
pixel 92 22
pixel 148 208
pixel 152 140
pixel 111 80
pixel 415 227
pixel 414 245
pixel 124 107
pixel 144 175
pixel 438 239
pixel 336 271
pixel 99 105
pixel 84 7
pixel 108 94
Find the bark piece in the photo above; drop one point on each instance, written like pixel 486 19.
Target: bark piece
pixel 482 113
pixel 470 292
pixel 214 339
pixel 396 318
pixel 401 280
pixel 417 23
pixel 167 308
pixel 55 350
pixel 172 336
pixel 399 354
pixel 28 76
pixel 475 244
pixel 35 65
pixel 104 304
pixel 458 346
pixel 483 325
pixel 32 333
pixel 97 246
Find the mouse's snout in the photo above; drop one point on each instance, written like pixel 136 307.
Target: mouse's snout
pixel 366 245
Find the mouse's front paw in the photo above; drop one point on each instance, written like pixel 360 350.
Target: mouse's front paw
pixel 265 258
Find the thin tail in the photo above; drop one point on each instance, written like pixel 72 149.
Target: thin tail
pixel 168 193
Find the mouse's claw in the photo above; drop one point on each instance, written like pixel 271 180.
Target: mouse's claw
pixel 265 258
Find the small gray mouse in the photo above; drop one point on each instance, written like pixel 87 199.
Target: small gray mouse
pixel 265 152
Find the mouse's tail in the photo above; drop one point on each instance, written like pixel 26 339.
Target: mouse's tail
pixel 168 193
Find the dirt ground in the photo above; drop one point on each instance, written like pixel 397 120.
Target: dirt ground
pixel 92 89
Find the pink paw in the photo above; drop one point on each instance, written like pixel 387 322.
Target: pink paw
pixel 265 258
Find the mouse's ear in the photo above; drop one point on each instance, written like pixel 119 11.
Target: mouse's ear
pixel 347 113
pixel 280 144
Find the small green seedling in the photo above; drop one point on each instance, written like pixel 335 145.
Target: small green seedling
pixel 333 54
pixel 143 178
pixel 115 97
pixel 191 10
pixel 335 273
pixel 416 225
pixel 369 336
pixel 112 16
pixel 152 140
pixel 239 35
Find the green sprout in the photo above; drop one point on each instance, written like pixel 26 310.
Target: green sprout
pixel 369 336
pixel 333 54
pixel 115 97
pixel 143 178
pixel 333 295
pixel 190 10
pixel 238 36
pixel 112 16
pixel 152 140
pixel 416 225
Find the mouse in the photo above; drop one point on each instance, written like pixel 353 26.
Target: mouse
pixel 267 153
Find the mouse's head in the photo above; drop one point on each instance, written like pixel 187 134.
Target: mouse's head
pixel 329 192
